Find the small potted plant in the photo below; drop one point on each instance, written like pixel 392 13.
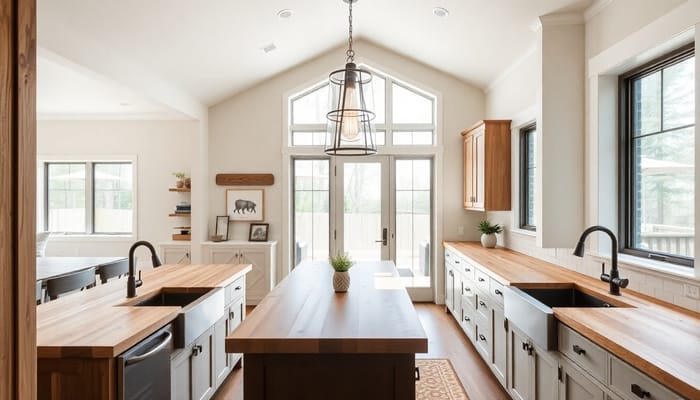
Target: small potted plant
pixel 341 277
pixel 188 183
pixel 180 182
pixel 488 233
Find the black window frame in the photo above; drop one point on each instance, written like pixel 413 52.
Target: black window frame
pixel 524 162
pixel 625 161
pixel 89 197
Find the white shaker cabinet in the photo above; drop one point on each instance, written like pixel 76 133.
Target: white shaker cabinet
pixel 261 255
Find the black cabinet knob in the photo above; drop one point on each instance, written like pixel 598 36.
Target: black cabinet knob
pixel 482 337
pixel 639 392
pixel 481 303
pixel 237 288
pixel 481 280
pixel 498 292
pixel 578 350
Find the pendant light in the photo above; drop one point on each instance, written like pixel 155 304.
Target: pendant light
pixel 350 127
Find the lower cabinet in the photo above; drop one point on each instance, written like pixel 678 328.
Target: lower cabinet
pixel 193 370
pixel 499 337
pixel 576 385
pixel 175 253
pixel 532 372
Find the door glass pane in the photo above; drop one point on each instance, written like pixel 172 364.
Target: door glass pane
pixel 410 107
pixel 311 208
pixel 679 94
pixel 664 192
pixel 362 205
pixel 413 204
pixel 113 198
pixel 66 198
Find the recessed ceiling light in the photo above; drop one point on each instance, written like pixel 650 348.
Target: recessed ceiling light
pixel 285 14
pixel 269 47
pixel 441 12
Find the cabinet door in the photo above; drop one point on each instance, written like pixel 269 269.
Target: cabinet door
pixel 545 374
pixel 468 171
pixel 520 366
pixel 236 315
pixel 479 169
pixel 175 254
pixel 449 287
pixel 259 280
pixel 180 375
pixel 220 358
pixel 228 255
pixel 202 372
pixel 499 344
pixel 574 385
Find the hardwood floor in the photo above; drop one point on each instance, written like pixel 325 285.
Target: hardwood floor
pixel 445 340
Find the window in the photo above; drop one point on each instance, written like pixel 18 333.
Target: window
pixel 404 116
pixel 89 197
pixel 657 142
pixel 528 140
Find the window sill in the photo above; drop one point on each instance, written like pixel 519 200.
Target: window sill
pixel 524 232
pixel 644 265
pixel 91 238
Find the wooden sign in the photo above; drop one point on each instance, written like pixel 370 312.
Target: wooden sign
pixel 245 179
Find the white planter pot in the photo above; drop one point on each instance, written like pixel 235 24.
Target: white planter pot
pixel 488 241
pixel 341 281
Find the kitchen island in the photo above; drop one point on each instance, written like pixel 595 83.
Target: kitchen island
pixel 80 336
pixel 306 341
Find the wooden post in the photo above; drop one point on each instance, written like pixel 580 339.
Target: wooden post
pixel 17 199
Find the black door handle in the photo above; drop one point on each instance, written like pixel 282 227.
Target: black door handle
pixel 641 393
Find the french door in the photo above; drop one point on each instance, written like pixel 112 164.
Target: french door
pixel 373 208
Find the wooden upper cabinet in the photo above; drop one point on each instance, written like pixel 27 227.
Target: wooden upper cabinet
pixel 487 166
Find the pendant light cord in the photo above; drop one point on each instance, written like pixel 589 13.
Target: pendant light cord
pixel 350 53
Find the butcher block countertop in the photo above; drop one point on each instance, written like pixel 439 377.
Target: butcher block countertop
pixel 658 338
pixel 96 324
pixel 304 315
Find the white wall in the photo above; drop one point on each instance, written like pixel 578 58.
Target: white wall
pixel 246 134
pixel 623 34
pixel 160 148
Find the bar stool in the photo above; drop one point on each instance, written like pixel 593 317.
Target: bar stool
pixel 78 280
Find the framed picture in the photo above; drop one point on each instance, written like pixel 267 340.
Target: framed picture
pixel 222 227
pixel 245 204
pixel 258 232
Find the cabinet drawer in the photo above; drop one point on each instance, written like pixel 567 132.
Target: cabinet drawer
pixel 633 384
pixel 496 291
pixel 234 290
pixel 465 268
pixel 469 292
pixel 482 280
pixel 583 352
pixel 483 305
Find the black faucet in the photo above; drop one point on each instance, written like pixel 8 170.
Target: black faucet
pixel 614 277
pixel 132 283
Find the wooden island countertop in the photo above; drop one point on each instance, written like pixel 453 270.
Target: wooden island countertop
pixel 304 315
pixel 96 324
pixel 658 338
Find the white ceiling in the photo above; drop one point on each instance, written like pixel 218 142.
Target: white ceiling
pixel 211 49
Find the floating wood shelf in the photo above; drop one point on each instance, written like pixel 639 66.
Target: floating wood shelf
pixel 245 179
pixel 184 190
pixel 184 215
pixel 177 236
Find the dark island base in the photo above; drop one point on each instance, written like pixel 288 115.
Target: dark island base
pixel 329 376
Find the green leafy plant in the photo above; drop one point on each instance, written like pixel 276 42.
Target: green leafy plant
pixel 341 262
pixel 487 228
pixel 179 175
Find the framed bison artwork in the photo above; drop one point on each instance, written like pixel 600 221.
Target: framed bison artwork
pixel 245 204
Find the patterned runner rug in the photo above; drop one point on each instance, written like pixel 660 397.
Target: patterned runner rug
pixel 438 381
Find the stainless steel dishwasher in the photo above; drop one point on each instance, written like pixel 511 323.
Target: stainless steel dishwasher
pixel 143 371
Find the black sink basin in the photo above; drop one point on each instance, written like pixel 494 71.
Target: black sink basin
pixel 171 299
pixel 567 297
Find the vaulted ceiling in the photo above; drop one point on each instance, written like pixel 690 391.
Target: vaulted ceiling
pixel 209 50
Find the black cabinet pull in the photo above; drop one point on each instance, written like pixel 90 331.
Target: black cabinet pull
pixel 481 280
pixel 456 261
pixel 578 350
pixel 527 347
pixel 641 393
pixel 481 303
pixel 482 337
pixel 467 319
pixel 231 315
pixel 466 289
pixel 498 292
pixel 237 288
pixel 196 349
pixel 467 269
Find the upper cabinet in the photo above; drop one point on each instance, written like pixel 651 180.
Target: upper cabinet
pixel 487 166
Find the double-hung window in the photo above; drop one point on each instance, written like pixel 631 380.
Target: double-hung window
pixel 528 140
pixel 657 169
pixel 89 197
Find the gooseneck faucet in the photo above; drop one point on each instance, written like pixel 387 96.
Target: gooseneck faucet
pixel 614 277
pixel 132 283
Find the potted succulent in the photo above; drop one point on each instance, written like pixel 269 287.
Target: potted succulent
pixel 341 277
pixel 488 233
pixel 180 182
